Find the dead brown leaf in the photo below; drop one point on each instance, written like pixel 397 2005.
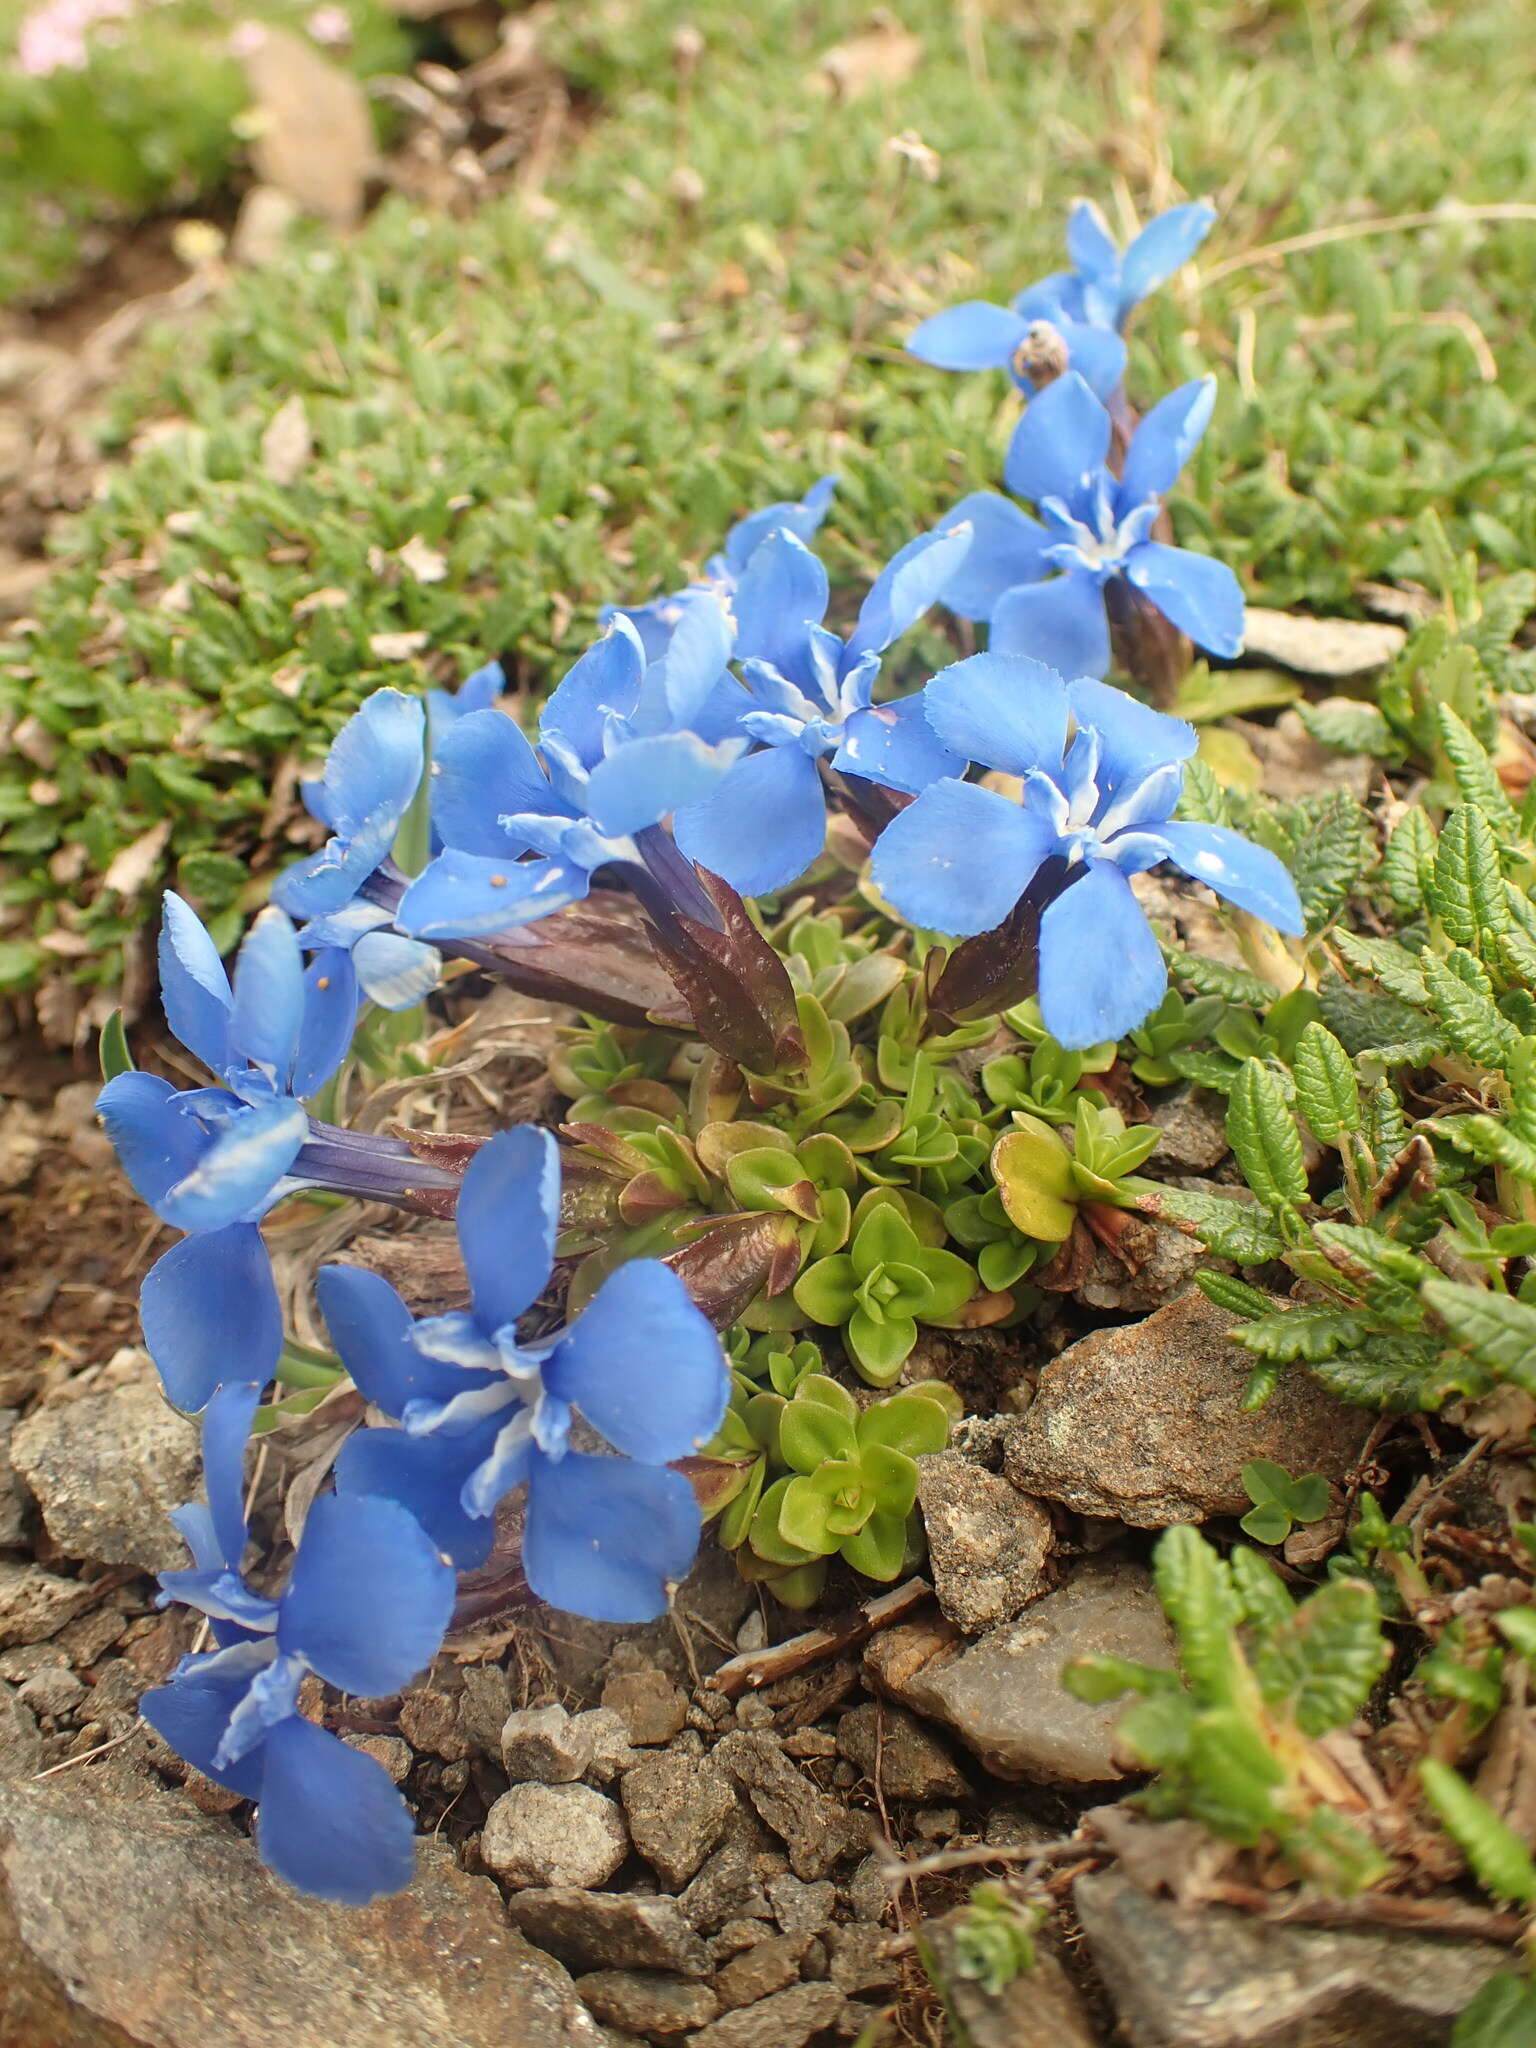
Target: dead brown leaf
pixel 131 868
pixel 883 58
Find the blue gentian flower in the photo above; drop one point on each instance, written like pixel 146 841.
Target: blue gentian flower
pixel 483 1411
pixel 1093 527
pixel 1088 305
pixel 656 621
pixel 811 699
pixel 1101 777
pixel 624 742
pixel 365 1608
pixel 477 692
pixel 213 1160
pixel 348 890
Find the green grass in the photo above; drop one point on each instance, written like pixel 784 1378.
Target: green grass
pixel 570 401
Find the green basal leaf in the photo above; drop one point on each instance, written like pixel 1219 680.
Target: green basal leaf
pixel 828 1291
pixel 1265 1601
pixel 766 1539
pixel 811 1433
pixel 1466 889
pixel 879 1549
pixel 1226 1291
pixel 882 1238
pixel 1000 1267
pixel 822 1390
pixel 1033 1171
pixel 1196 1590
pixel 112 1048
pixel 910 1422
pixel 804 1513
pixel 891 1477
pixel 1267 1524
pixel 880 1349
pixel 735 1524
pixel 1498 1331
pixel 1232 1229
pixel 1304 1333
pixel 802 1587
pixel 948 1284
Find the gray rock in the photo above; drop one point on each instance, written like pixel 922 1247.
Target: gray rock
pixel 1039 2008
pixel 1145 1423
pixel 554 1836
pixel 651 1707
pixel 608 1746
pixel 988 1544
pixel 15 1501
pixel 729 1886
pixel 149 1926
pixel 891 1747
pixel 35 1604
pixel 1294 764
pixel 21 1745
pixel 801 1908
pixel 544 1745
pixel 52 1691
pixel 610 1930
pixel 1002 1695
pixel 867 1891
pixel 1194 1130
pixel 647 2001
pixel 1215 1979
pixel 757 1972
pixel 819 1832
pixel 389 1752
pixel 483 1707
pixel 786 2020
pixel 857 1958
pixel 1337 650
pixel 678 1807
pixel 107 1469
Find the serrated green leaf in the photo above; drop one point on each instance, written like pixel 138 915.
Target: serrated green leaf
pixel 1470 1019
pixel 1399 971
pixel 1321 1663
pixel 1266 1603
pixel 1502 2015
pixel 1498 1858
pixel 1263 1135
pixel 1475 775
pixel 1240 1231
pixel 1498 1331
pixel 1327 1093
pixel 1408 857
pixel 1203 800
pixel 1466 890
pixel 1305 1334
pixel 1352 727
pixel 1198 1597
pixel 1226 1291
pixel 1218 978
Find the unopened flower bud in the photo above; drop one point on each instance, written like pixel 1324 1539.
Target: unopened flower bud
pixel 687 49
pixel 685 188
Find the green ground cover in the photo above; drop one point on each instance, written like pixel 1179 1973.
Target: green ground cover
pixel 567 402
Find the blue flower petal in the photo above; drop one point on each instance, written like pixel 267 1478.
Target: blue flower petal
pixel 425 1475
pixel 368 1598
pixel 239 1166
pixel 371 774
pixel 606 1537
pixel 1097 355
pixel 156 1142
pixel 374 1335
pixel 914 578
pixel 268 1011
pixel 1163 246
pixel 1061 623
pixel 1134 740
pixel 895 745
pixel 194 989
pixel 1002 710
pixel 211 1314
pixel 692 665
pixel 764 823
pixel 1201 596
pixel 396 972
pixel 643 1364
pixel 485 769
pixel 1164 442
pixel 508 1213
pixel 958 858
pixel 1249 876
pixel 782 593
pixel 1059 446
pixel 330 1017
pixel 801 518
pixel 1094 251
pixel 466 896
pixel 192 1713
pixel 1007 547
pixel 605 681
pixel 973 336
pixel 226 1431
pixel 643 780
pixel 1101 968
pixel 329 1821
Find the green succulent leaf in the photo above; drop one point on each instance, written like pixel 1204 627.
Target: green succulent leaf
pixel 828 1291
pixel 880 1349
pixel 805 1514
pixel 811 1433
pixel 1033 1171
pixel 767 1541
pixel 909 1422
pixel 879 1549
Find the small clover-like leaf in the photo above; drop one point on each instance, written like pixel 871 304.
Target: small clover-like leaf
pixel 1267 1524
